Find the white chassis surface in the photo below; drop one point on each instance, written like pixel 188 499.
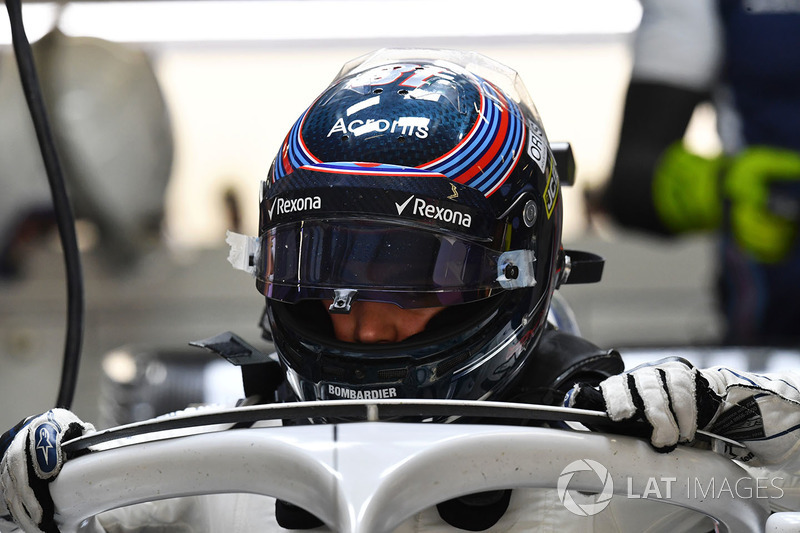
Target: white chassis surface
pixel 367 477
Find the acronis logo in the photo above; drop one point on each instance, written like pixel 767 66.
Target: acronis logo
pixel 407 126
pixel 46 450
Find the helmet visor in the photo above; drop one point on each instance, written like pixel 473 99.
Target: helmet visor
pixel 382 261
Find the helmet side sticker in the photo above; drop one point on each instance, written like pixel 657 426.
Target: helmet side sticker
pixel 421 208
pixel 537 145
pixel 455 193
pixel 551 191
pixel 284 206
pixel 342 392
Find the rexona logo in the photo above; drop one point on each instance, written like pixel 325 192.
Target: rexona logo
pixel 421 208
pixel 282 206
pixel 351 394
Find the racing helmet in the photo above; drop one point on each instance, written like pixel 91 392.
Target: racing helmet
pixel 420 178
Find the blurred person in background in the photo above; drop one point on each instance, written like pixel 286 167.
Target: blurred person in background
pixel 742 55
pixel 113 132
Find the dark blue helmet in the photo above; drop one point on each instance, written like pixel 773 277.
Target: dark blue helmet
pixel 420 178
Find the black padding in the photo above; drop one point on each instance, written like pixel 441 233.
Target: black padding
pixel 475 512
pixel 585 267
pixel 559 361
pixel 290 516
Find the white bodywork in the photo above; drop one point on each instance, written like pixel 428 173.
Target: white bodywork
pixel 368 477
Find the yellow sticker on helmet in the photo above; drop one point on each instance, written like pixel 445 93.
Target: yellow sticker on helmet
pixel 551 191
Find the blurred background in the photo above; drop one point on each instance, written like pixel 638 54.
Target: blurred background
pixel 171 112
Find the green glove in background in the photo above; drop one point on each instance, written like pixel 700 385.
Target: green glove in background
pixel 686 190
pixel 751 178
pixel 689 191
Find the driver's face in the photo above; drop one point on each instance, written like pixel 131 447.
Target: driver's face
pixel 373 322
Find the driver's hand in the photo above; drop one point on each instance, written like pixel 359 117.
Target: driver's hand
pixel 676 399
pixel 671 396
pixel 32 458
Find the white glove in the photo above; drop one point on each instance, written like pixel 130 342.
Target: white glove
pixel 32 459
pixel 675 399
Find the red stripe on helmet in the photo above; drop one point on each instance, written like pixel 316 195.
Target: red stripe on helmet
pixel 491 153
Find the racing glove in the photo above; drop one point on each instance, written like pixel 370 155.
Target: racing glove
pixel 675 399
pixel 32 458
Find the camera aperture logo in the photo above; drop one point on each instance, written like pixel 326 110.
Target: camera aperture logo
pixel 603 498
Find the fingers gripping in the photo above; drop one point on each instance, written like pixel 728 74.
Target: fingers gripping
pixel 32 460
pixel 618 394
pixel 18 491
pixel 664 395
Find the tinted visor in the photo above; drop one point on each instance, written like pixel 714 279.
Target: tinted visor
pixel 382 261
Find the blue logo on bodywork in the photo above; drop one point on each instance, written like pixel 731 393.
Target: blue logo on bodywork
pixel 46 450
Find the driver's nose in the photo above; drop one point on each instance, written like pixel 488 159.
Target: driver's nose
pixel 375 322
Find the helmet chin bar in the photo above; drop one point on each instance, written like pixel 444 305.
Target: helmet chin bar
pixel 475 368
